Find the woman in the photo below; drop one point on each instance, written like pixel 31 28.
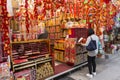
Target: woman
pixel 91 54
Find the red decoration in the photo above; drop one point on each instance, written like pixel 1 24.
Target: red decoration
pixel 27 18
pixel 107 1
pixel 5 29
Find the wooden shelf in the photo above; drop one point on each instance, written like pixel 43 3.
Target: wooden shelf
pixel 29 41
pixel 26 66
pixel 16 65
pixel 31 63
pixel 56 39
pixel 43 61
pixel 59 49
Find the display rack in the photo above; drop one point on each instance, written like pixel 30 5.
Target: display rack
pixel 59 50
pixel 32 55
pixel 69 51
pixel 53 26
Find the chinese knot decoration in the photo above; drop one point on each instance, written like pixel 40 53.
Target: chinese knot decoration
pixel 5 29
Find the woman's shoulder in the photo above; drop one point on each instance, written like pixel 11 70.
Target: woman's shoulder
pixel 94 36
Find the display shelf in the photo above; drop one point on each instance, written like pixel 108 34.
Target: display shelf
pixel 41 59
pixel 29 41
pixel 72 52
pixel 39 62
pixel 31 61
pixel 29 64
pixel 59 49
pixel 24 67
pixel 40 47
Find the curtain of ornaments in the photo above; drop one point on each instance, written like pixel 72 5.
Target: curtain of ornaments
pixel 5 40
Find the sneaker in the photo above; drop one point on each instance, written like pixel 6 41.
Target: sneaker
pixel 89 75
pixel 94 73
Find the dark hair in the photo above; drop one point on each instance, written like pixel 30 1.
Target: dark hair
pixel 90 31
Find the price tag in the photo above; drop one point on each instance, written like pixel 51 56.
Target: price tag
pixel 91 20
pixel 86 1
pixel 111 13
pixel 84 21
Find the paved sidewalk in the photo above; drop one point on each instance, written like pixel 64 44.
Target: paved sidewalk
pixel 107 69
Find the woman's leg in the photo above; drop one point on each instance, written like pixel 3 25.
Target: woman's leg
pixel 89 64
pixel 94 64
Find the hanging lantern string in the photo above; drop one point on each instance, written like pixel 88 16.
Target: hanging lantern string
pixel 27 16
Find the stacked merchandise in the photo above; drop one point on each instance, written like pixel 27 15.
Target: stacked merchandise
pixel 23 52
pixel 44 70
pixel 25 75
pixel 59 50
pixel 70 50
pixel 75 54
pixel 81 55
pixel 5 73
pixel 54 29
pixel 29 55
pixel 67 50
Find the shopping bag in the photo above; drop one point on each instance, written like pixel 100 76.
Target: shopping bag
pixel 92 45
pixel 100 49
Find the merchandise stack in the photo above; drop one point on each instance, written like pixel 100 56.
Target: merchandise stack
pixel 59 50
pixel 32 56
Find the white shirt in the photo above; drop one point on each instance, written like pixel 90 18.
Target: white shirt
pixel 94 37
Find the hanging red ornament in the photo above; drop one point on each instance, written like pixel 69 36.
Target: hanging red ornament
pixel 107 1
pixel 5 36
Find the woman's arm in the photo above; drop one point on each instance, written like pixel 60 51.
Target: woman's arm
pixel 87 42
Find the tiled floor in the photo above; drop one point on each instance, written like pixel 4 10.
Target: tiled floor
pixel 107 69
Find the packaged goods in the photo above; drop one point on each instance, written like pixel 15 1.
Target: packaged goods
pixel 43 70
pixel 4 71
pixel 25 75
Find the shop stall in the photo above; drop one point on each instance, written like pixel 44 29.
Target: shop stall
pixel 65 22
